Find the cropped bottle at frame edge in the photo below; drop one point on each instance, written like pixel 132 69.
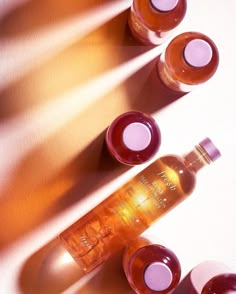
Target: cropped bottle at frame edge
pixel 152 21
pixel 190 59
pixel 224 283
pixel 129 211
pixel 151 268
pixel 208 277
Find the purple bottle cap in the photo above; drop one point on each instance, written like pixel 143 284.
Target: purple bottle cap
pixel 210 149
pixel 164 5
pixel 158 276
pixel 136 136
pixel 198 53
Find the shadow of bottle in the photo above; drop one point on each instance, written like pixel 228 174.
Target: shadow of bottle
pixel 185 286
pixel 91 169
pixel 154 95
pixel 52 270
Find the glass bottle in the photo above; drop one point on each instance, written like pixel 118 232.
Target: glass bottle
pixel 151 268
pixel 190 59
pixel 133 138
pixel 221 284
pixel 129 211
pixel 205 276
pixel 152 21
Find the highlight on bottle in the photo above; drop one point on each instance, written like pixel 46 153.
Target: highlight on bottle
pixel 189 60
pixel 152 21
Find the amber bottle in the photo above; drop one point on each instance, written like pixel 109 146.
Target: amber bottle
pixel 189 60
pixel 152 21
pixel 151 268
pixel 129 211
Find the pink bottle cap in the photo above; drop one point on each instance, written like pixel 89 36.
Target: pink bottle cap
pixel 210 149
pixel 133 138
pixel 164 5
pixel 158 276
pixel 198 53
pixel 136 136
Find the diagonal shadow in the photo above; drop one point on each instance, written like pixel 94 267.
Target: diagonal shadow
pixel 51 270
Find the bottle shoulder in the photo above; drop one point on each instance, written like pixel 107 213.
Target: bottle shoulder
pixel 158 20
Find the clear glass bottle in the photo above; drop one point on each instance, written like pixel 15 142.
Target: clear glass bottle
pixel 129 211
pixel 151 268
pixel 190 59
pixel 201 279
pixel 133 138
pixel 152 21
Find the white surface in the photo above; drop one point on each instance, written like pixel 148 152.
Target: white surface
pixel 202 227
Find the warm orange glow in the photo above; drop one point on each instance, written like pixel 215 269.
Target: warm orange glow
pixel 8 6
pixel 19 55
pixel 62 261
pixel 35 126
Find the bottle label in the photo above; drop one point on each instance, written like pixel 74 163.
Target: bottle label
pixel 123 216
pixel 90 239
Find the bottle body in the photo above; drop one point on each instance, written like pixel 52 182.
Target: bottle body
pixel 152 21
pixel 151 268
pixel 128 212
pixel 190 59
pixel 133 138
pixel 224 283
pixel 200 275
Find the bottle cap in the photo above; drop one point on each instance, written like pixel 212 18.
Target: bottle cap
pixel 158 276
pixel 164 5
pixel 136 136
pixel 210 149
pixel 198 53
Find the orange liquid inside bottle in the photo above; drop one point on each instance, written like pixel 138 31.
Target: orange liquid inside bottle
pixel 190 59
pixel 128 212
pixel 152 21
pixel 151 268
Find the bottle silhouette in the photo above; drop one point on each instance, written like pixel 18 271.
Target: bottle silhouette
pixel 190 59
pixel 150 268
pixel 152 21
pixel 129 211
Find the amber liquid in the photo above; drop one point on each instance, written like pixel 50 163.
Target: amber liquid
pixel 175 71
pixel 151 26
pixel 128 212
pixel 139 255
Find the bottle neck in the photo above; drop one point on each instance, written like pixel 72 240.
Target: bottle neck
pixel 197 159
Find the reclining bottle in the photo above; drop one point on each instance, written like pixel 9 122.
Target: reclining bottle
pixel 129 211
